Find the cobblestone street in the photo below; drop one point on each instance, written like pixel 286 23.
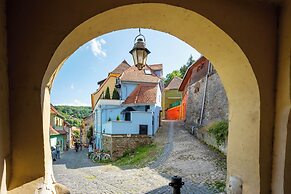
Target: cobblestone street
pixel 183 155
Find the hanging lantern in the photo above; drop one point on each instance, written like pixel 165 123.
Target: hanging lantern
pixel 139 51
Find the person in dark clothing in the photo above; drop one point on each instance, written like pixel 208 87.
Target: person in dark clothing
pixel 76 146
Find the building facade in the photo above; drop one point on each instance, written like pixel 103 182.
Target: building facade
pixel 109 82
pixel 136 112
pixel 60 130
pixel 204 98
pixel 171 100
pixel 87 129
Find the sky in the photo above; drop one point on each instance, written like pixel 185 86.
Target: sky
pixel 92 62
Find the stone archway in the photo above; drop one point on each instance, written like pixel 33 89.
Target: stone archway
pixel 229 60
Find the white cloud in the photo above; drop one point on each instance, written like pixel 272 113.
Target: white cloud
pixel 102 41
pixel 72 86
pixel 96 47
pixel 77 102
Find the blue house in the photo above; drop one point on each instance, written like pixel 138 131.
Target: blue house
pixel 137 112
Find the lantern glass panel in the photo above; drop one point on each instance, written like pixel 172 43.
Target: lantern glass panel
pixel 145 57
pixel 134 56
pixel 140 56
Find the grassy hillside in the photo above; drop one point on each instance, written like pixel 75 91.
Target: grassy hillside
pixel 74 114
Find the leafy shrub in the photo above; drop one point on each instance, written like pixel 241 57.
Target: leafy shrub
pixel 117 118
pixel 76 134
pixel 115 95
pixel 218 185
pixel 220 131
pixel 107 93
pixel 90 132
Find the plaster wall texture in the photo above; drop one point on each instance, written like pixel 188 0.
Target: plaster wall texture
pixel 4 111
pixel 105 112
pixel 281 177
pixel 130 127
pixel 156 117
pixel 216 103
pixel 251 92
pixel 126 89
pixel 159 97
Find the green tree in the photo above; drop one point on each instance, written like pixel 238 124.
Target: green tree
pixel 184 68
pixel 170 76
pixel 74 114
pixel 190 61
pixel 76 134
pixel 90 132
pixel 179 73
pixel 107 93
pixel 115 94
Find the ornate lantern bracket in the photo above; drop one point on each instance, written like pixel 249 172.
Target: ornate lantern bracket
pixel 139 51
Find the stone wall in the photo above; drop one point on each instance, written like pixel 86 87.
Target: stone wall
pixel 118 144
pixel 209 139
pixel 216 103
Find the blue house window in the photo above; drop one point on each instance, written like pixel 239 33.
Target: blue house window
pixel 147 107
pixel 143 129
pixel 127 116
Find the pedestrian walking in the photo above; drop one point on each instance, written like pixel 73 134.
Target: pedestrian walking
pixel 76 146
pixel 90 150
pixel 58 149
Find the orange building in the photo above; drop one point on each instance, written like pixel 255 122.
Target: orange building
pixel 194 73
pixel 173 113
pixel 171 99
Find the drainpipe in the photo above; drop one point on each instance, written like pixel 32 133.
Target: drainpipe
pixel 204 93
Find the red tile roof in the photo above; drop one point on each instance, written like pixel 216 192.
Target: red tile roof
pixel 62 132
pixel 156 67
pixel 143 94
pixel 54 110
pixel 121 67
pixel 57 132
pixel 101 81
pixel 53 131
pixel 135 75
pixel 174 84
pixel 189 71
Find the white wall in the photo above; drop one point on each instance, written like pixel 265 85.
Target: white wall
pixel 130 127
pixel 126 89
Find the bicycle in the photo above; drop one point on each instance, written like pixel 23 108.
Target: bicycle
pixel 99 156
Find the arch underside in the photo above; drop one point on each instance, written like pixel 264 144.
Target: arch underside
pixel 241 88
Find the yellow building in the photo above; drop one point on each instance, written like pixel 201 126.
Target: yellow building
pixel 110 82
pixel 171 96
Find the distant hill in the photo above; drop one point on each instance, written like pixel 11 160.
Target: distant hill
pixel 74 114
